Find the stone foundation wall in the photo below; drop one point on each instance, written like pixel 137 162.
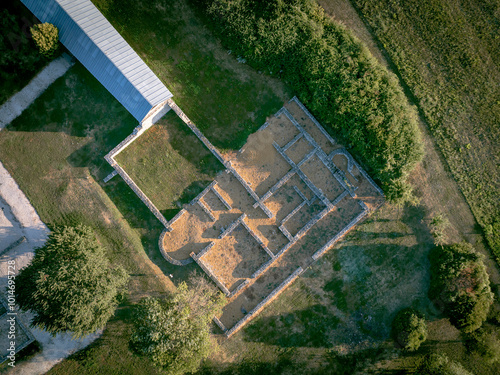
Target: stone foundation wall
pixel 275 293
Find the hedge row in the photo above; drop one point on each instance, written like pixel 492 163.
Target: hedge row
pixel 357 99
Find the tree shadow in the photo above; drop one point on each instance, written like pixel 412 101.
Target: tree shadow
pixel 413 217
pixel 289 363
pixel 185 142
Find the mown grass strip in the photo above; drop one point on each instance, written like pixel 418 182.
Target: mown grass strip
pixel 447 52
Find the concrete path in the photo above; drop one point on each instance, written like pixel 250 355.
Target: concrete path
pixel 19 218
pixel 13 107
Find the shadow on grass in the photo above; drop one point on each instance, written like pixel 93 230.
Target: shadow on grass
pixel 288 363
pixel 102 353
pixel 413 217
pixel 226 100
pixel 302 328
pixel 192 191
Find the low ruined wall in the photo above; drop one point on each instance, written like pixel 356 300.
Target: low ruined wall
pixel 275 293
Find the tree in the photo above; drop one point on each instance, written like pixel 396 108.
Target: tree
pixel 409 329
pixel 439 364
pixel 399 192
pixel 460 283
pixel 16 52
pixel 46 37
pixel 69 285
pixel 174 332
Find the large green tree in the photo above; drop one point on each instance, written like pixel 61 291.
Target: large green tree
pixel 174 332
pixel 69 285
pixel 460 285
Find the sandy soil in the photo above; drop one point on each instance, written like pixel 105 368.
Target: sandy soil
pixel 236 257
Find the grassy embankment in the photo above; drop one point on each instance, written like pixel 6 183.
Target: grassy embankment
pixel 448 54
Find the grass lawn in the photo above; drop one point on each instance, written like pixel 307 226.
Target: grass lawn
pixel 448 54
pixel 169 164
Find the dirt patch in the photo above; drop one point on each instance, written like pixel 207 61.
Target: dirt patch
pixel 261 169
pixel 236 257
pixel 322 178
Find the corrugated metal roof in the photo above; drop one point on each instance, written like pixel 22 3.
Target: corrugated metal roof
pixel 89 36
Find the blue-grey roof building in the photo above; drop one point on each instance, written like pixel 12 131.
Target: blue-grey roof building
pixel 89 36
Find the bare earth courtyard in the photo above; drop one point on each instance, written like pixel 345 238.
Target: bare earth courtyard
pixel 284 199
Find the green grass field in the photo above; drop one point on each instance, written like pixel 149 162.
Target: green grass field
pixel 334 320
pixel 448 54
pixel 169 164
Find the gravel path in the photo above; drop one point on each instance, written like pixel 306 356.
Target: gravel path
pixel 13 107
pixel 18 218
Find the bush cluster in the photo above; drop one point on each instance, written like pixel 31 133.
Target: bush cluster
pixel 46 37
pixel 485 342
pixel 460 285
pixel 409 329
pixel 357 99
pixel 174 333
pixel 439 364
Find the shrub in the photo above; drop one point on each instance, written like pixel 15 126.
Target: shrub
pixel 486 342
pixel 333 74
pixel 409 329
pixel 439 364
pixel 68 285
pixel 46 37
pixel 460 282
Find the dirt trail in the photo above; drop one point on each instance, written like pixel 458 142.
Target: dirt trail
pixel 432 180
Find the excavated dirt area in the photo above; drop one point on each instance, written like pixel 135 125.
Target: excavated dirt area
pixel 287 196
